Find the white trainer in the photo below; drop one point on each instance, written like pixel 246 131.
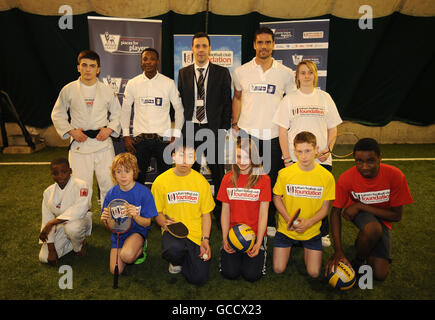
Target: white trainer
pixel 174 269
pixel 271 231
pixel 326 241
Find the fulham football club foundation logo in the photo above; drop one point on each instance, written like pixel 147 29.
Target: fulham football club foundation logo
pixel 243 194
pixel 372 197
pixel 183 197
pixel 301 191
pixel 309 111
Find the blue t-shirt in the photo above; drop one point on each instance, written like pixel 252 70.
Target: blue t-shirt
pixel 141 197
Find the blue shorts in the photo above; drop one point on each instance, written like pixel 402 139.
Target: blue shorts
pixel 282 241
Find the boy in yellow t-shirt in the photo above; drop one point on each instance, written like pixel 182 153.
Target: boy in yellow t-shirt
pixel 308 186
pixel 184 195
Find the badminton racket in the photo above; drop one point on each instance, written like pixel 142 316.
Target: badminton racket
pixel 344 144
pixel 120 222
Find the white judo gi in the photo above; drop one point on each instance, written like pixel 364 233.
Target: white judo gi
pixel 91 155
pixel 72 204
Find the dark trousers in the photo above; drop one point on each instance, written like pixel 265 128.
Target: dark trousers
pixel 239 264
pixel 145 149
pixel 185 253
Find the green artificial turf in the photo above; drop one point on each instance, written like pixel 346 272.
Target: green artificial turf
pixel 21 188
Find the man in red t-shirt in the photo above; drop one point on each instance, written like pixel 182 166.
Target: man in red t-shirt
pixel 371 195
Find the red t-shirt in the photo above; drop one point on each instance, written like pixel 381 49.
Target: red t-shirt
pixel 244 203
pixel 388 189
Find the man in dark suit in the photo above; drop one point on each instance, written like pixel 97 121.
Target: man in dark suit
pixel 205 90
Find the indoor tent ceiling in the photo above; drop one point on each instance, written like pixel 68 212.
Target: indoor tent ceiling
pixel 285 9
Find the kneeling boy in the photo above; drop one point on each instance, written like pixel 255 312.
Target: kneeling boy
pixel 184 195
pixel 371 194
pixel 308 186
pixel 131 245
pixel 66 220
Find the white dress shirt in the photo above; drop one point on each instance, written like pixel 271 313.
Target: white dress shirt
pixel 152 102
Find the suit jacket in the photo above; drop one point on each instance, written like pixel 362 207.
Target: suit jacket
pixel 218 95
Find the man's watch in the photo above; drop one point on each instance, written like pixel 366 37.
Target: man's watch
pixel 233 124
pixel 205 238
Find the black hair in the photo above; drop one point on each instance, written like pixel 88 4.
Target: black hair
pixel 201 35
pixel 59 161
pixel 367 144
pixel 151 50
pixel 264 30
pixel 88 54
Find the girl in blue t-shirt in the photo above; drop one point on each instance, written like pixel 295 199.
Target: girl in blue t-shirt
pixel 141 208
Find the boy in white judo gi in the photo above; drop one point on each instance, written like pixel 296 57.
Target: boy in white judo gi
pixel 94 116
pixel 66 220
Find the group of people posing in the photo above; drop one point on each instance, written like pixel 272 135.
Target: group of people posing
pixel 284 128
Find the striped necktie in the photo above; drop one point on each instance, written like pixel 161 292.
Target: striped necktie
pixel 200 110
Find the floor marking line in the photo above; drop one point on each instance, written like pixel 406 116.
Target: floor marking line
pixel 28 163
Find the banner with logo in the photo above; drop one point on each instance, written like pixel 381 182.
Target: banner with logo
pixel 226 51
pixel 302 40
pixel 119 43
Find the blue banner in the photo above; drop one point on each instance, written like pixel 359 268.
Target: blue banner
pixel 302 40
pixel 119 43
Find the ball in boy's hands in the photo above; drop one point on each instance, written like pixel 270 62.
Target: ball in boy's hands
pixel 205 256
pixel 342 277
pixel 295 223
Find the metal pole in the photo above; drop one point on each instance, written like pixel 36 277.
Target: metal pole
pixel 206 16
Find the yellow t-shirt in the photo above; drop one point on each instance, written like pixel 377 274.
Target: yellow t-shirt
pixel 184 199
pixel 305 190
